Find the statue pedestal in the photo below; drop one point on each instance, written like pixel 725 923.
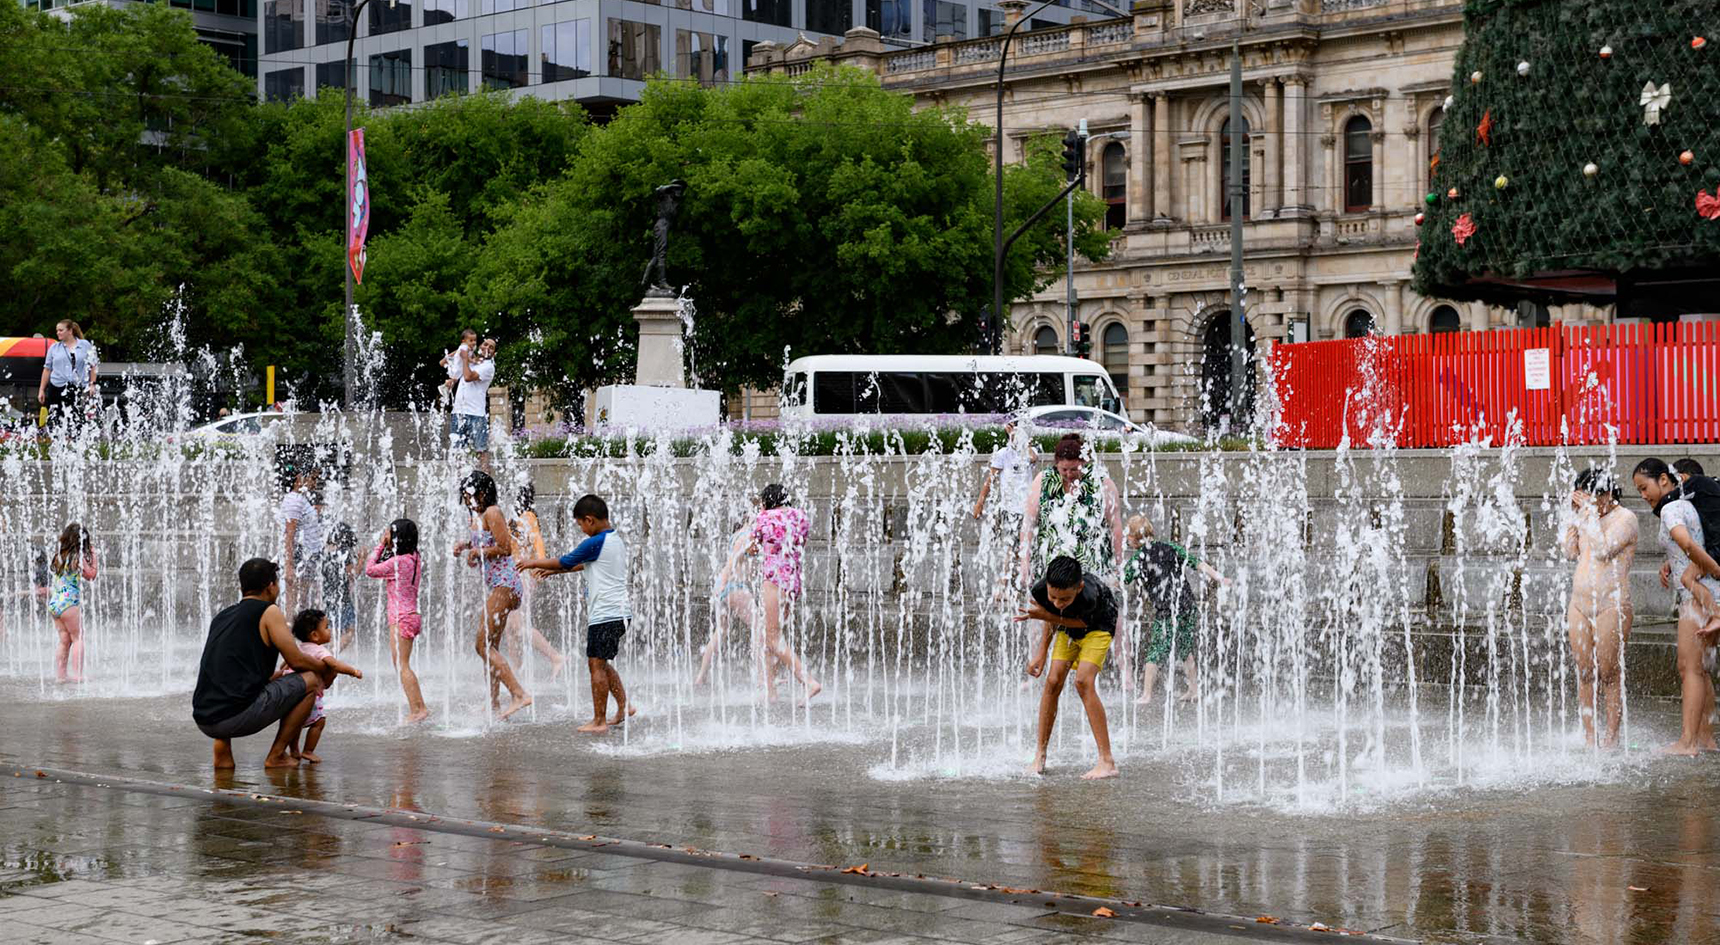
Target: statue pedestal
pixel 659 398
pixel 659 320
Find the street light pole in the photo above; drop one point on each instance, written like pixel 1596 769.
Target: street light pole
pixel 997 244
pixel 1237 194
pixel 349 370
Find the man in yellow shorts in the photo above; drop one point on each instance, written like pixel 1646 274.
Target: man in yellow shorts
pixel 1080 610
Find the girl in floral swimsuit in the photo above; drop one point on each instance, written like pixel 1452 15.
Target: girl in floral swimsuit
pixel 779 534
pixel 492 545
pixel 73 564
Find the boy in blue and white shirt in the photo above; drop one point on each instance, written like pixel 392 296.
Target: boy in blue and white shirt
pixel 603 558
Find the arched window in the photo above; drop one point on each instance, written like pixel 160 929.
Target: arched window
pixel 1224 169
pixel 1115 186
pixel 1115 354
pixel 1215 404
pixel 1358 324
pixel 1444 320
pixel 1045 341
pixel 1358 165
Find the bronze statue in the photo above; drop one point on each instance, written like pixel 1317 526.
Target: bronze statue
pixel 656 277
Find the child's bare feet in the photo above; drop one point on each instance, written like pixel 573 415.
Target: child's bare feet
pixel 812 689
pixel 224 756
pixel 1189 697
pixel 418 716
pixel 1146 698
pixel 311 757
pixel 556 667
pixel 632 710
pixel 282 760
pixel 593 728
pixel 514 706
pixel 1106 768
pixel 1680 749
pixel 1038 766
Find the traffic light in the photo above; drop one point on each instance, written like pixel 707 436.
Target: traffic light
pixel 1074 160
pixel 1083 343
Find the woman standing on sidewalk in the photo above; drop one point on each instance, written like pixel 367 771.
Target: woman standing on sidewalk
pixel 68 375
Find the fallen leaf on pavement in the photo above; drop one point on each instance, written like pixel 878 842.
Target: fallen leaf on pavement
pixel 1104 913
pixel 858 870
pixel 1267 919
pixel 1637 888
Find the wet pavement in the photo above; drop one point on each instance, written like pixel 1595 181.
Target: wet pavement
pixel 1627 853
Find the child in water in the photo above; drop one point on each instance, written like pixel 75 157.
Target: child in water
pixel 310 628
pixel 73 564
pixel 339 565
pixel 1159 565
pixel 528 535
pixel 396 562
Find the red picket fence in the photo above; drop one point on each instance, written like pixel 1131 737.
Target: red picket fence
pixel 1539 387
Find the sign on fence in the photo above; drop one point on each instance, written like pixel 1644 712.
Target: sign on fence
pixel 1538 369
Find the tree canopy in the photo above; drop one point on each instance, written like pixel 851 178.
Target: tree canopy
pixel 823 214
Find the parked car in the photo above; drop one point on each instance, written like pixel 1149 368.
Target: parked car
pixel 1059 418
pixel 238 425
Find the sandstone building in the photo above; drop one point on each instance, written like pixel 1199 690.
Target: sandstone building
pixel 1343 99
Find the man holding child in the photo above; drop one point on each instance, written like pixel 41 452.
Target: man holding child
pixel 235 695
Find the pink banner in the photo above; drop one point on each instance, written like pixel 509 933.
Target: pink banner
pixel 357 203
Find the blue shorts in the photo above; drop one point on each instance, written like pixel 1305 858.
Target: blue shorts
pixel 470 432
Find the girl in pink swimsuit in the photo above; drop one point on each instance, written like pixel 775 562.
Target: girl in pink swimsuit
pixel 395 560
pixel 779 534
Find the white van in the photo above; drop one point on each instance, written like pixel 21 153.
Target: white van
pixel 910 385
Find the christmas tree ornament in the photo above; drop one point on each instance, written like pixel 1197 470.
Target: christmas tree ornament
pixel 1451 194
pixel 1687 157
pixel 1475 77
pixel 1501 182
pixel 1606 52
pixel 1697 42
pixel 1432 199
pixel 1523 67
pixel 1654 101
pixel 1448 101
pixel 1463 229
pixel 1420 218
pixel 1591 169
pixel 1433 166
pixel 1484 131
pixel 1707 206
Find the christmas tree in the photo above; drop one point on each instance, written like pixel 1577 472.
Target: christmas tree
pixel 1579 155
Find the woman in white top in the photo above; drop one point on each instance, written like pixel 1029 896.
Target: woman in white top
pixel 68 372
pixel 1681 537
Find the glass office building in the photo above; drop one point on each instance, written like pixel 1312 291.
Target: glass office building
pixel 227 26
pixel 598 52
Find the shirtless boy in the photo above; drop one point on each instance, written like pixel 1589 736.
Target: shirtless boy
pixel 1602 538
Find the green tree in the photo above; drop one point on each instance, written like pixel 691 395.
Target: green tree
pixel 823 214
pixel 440 176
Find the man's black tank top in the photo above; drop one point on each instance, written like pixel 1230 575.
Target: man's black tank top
pixel 236 663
